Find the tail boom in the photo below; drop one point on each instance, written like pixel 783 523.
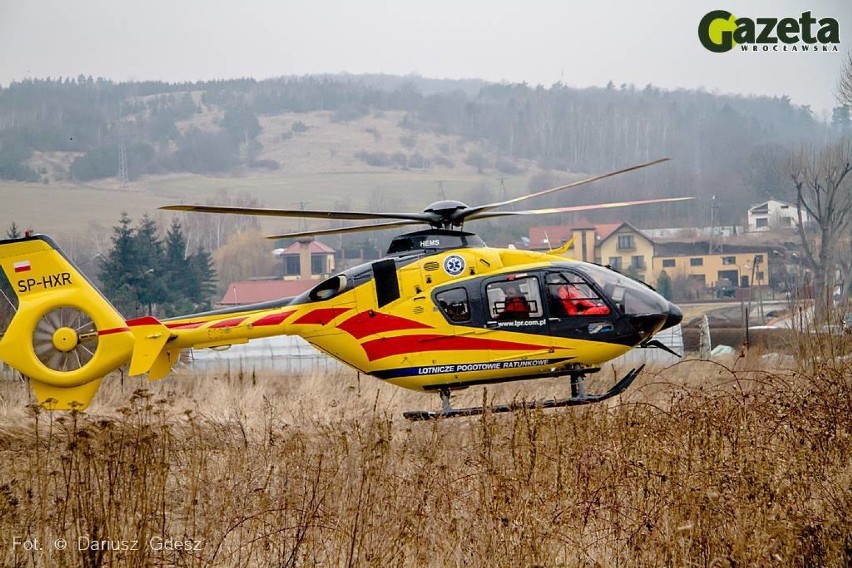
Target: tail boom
pixel 159 344
pixel 65 336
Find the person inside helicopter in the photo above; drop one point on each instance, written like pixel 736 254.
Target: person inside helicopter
pixel 515 305
pixel 568 299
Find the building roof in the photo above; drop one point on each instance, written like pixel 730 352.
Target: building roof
pixel 702 248
pixel 254 291
pixel 625 224
pixel 556 235
pixel 549 235
pixel 763 207
pixel 604 230
pixel 315 247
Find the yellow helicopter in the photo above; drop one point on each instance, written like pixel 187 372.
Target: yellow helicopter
pixel 441 312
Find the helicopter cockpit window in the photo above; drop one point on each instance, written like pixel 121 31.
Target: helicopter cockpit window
pixel 328 289
pixel 570 295
pixel 454 304
pixel 629 296
pixel 515 298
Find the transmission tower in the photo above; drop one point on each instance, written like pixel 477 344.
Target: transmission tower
pixel 715 230
pixel 441 193
pixel 123 176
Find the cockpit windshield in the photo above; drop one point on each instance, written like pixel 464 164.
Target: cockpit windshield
pixel 631 297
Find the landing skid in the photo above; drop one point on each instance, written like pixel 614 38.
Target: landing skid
pixel 578 397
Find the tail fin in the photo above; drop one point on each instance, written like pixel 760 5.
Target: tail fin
pixel 65 336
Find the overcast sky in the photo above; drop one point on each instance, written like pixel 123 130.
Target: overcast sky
pixel 540 42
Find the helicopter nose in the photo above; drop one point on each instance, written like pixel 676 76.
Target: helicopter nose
pixel 647 325
pixel 673 316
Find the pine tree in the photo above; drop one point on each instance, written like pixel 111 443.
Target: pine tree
pixel 13 232
pixel 178 273
pixel 664 285
pixel 190 278
pixel 118 268
pixel 150 257
pixel 206 273
pixel 175 259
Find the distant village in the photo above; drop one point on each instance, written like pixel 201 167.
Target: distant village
pixel 686 264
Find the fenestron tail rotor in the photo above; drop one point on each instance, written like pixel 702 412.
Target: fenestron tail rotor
pixel 65 339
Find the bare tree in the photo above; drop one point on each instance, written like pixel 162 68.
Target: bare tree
pixel 211 231
pixel 824 192
pixel 844 84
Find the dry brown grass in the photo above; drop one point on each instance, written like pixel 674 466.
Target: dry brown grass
pixel 699 464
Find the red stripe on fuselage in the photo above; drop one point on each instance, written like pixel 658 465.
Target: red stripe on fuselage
pixel 187 325
pixel 229 322
pixel 144 320
pixel 321 316
pixel 273 319
pixel 371 323
pixel 113 330
pixel 385 347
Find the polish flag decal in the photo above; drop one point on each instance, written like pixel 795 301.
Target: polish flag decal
pixel 23 266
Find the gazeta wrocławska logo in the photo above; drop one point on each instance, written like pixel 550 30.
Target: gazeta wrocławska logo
pixel 720 31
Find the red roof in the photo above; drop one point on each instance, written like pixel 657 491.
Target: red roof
pixel 315 247
pixel 606 229
pixel 557 235
pixel 254 291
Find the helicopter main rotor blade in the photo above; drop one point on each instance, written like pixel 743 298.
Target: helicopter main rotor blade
pixel 300 213
pixel 490 214
pixel 357 229
pixel 474 212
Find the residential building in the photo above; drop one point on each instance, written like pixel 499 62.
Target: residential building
pixel 304 264
pixel 736 266
pixel 628 250
pixel 620 245
pixel 306 259
pixel 774 214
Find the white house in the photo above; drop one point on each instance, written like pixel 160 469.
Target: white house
pixel 774 214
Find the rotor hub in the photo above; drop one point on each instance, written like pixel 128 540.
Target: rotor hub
pixel 65 339
pixel 445 213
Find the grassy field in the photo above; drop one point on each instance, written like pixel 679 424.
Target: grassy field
pixel 735 464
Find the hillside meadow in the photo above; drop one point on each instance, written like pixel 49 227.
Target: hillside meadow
pixel 731 463
pixel 68 211
pixel 318 169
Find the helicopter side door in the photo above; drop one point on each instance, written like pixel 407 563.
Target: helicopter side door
pixel 514 302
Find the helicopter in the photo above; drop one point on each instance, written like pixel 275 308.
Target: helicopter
pixel 440 312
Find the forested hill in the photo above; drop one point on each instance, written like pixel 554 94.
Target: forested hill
pixel 731 146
